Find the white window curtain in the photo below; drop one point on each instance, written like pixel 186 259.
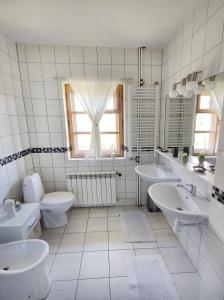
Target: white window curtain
pixel 94 96
pixel 216 92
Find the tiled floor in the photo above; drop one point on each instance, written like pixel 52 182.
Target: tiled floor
pixel 87 257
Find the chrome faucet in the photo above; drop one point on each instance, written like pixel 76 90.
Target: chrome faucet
pixel 192 188
pixel 163 167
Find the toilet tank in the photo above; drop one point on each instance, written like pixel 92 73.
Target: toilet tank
pixel 33 190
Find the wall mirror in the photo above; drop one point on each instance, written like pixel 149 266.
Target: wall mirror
pixel 195 122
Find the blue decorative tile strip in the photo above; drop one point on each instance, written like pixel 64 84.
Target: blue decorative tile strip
pixel 6 160
pixel 13 157
pixel 49 150
pixel 218 194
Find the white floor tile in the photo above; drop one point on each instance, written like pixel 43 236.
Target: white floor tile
pixel 166 238
pixel 53 241
pixel 114 223
pixel 115 211
pixel 76 225
pixel 119 288
pixel 96 212
pixel 63 290
pixel 66 266
pixel 87 230
pixel 72 242
pixel 118 262
pixel 177 260
pixel 93 289
pixel 191 287
pixel 151 251
pixel 96 241
pixel 94 265
pixel 158 221
pixel 97 224
pixel 148 245
pixel 49 262
pixel 115 241
pixel 79 213
pixel 54 230
pixel 132 208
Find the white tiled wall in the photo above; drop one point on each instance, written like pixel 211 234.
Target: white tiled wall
pixel 220 157
pixel 39 65
pixel 200 242
pixel 13 127
pixel 197 45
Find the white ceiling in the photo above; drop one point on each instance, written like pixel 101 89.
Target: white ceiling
pixel 124 23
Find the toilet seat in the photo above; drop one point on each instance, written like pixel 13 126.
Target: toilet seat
pixel 56 200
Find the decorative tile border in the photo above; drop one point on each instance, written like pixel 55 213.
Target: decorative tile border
pixel 8 159
pixel 50 150
pixel 218 194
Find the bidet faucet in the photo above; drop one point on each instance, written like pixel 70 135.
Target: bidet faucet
pixel 163 167
pixel 192 188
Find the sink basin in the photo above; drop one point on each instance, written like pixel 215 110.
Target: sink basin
pixel 154 174
pixel 21 225
pixel 177 202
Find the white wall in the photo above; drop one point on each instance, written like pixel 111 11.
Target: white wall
pixel 201 243
pixel 39 65
pixel 197 45
pixel 13 127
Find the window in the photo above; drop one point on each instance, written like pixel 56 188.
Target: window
pixel 207 126
pixel 80 126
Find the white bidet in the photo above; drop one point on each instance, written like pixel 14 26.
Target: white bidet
pixel 23 272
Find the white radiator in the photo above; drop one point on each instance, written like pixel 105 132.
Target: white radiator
pixel 93 188
pixel 179 119
pixel 143 119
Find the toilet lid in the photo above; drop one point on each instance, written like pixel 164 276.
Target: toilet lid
pixel 57 198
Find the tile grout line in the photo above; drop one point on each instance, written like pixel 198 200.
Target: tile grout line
pixel 108 253
pixel 81 257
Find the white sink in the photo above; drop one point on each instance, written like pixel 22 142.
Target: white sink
pixel 176 202
pixel 21 225
pixel 154 174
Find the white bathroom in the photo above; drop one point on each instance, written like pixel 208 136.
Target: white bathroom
pixel 111 150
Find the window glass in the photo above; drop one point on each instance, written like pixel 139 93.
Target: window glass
pixel 203 122
pixel 108 123
pixel 83 141
pixel 206 127
pixel 109 143
pixel 83 123
pixel 201 141
pixel 205 102
pixel 76 105
pixel 111 105
pixel 80 125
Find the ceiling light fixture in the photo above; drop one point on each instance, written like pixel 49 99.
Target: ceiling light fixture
pixel 173 93
pixel 192 83
pixel 181 87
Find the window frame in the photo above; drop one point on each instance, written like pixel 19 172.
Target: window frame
pixel 119 111
pixel 214 132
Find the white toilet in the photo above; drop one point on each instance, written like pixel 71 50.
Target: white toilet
pixel 53 206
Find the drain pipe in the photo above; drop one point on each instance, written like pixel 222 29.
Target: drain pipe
pixel 140 83
pixel 140 55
